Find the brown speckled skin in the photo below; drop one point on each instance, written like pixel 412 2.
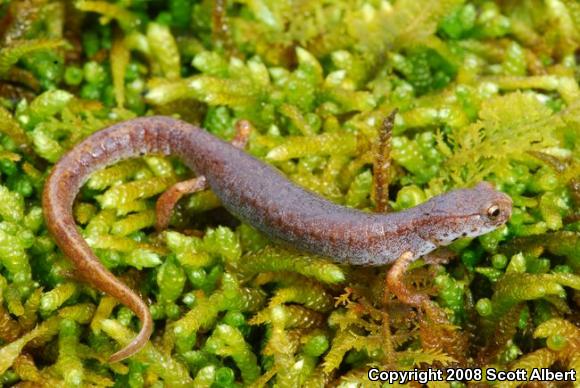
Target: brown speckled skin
pixel 261 196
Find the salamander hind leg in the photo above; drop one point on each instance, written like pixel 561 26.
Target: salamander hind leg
pixel 167 201
pixel 243 130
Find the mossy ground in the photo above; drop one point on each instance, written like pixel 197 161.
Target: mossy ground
pixel 485 91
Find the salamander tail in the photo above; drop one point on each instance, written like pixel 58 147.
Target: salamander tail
pixel 138 342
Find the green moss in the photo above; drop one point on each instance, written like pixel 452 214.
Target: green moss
pixel 486 90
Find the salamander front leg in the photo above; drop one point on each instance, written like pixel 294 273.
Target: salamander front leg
pixel 171 196
pixel 395 284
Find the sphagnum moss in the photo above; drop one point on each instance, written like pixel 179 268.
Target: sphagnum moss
pixel 485 90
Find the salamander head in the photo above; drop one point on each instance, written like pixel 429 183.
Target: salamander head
pixel 466 213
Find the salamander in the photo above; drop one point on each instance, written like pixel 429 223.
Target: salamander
pixel 258 194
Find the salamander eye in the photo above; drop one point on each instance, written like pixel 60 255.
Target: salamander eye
pixel 493 211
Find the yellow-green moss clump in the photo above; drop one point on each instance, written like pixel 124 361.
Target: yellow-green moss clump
pixel 485 91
